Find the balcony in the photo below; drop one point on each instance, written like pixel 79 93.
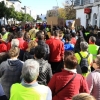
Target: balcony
pixel 78 3
pixel 88 3
pixel 96 0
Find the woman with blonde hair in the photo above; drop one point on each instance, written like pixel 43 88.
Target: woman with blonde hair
pixel 10 70
pixel 83 96
pixel 29 54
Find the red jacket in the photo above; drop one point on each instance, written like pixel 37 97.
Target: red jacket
pixel 73 41
pixel 8 46
pixel 23 45
pixel 3 47
pixel 78 85
pixel 56 49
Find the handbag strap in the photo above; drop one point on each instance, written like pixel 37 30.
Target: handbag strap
pixel 65 85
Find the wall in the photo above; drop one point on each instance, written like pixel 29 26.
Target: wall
pixel 94 11
pixel 80 14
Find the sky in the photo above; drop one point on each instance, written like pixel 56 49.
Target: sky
pixel 41 6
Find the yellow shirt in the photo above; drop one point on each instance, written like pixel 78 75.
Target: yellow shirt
pixel 32 33
pixel 20 92
pixel 93 49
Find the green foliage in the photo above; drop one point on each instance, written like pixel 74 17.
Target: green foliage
pixel 18 16
pixel 11 13
pixel 62 13
pixel 2 9
pixel 29 18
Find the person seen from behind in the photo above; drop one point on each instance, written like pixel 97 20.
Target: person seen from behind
pixel 45 71
pixel 29 89
pixel 10 70
pixel 84 58
pixel 70 83
pixel 56 51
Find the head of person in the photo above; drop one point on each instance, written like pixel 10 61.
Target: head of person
pixel 61 35
pixel 92 40
pixel 14 52
pixel 10 37
pixel 39 52
pixel 56 33
pixel 68 38
pixel 68 53
pixel 15 42
pixel 79 40
pixel 30 70
pixel 52 33
pixel 83 96
pixel 96 62
pixel 31 44
pixel 3 31
pixel 33 26
pixel 26 36
pixel 20 34
pixel 73 34
pixel 83 46
pixel 70 62
pixel 40 35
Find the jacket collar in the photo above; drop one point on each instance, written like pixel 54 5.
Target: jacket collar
pixel 29 85
pixel 71 70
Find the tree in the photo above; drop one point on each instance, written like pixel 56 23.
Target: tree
pixel 70 11
pixel 18 16
pixel 29 18
pixel 62 13
pixel 10 13
pixel 24 17
pixel 3 8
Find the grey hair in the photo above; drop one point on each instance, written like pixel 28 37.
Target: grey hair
pixel 15 42
pixel 84 46
pixel 30 70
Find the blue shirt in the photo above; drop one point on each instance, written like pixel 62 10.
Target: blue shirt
pixel 68 46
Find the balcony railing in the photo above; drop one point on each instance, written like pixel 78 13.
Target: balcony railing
pixel 86 2
pixel 78 2
pixel 96 0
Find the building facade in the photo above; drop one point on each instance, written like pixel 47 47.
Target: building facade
pixel 88 11
pixel 16 4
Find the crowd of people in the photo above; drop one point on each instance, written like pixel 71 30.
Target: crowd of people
pixel 40 63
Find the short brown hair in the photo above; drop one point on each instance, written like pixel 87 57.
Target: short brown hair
pixel 83 96
pixel 70 62
pixel 68 53
pixel 14 51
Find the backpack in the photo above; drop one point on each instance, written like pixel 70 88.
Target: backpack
pixel 84 63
